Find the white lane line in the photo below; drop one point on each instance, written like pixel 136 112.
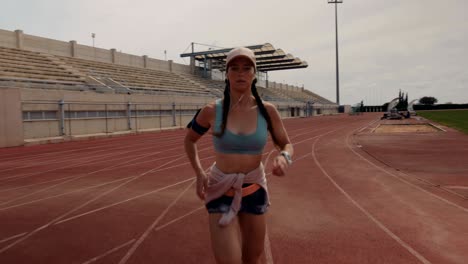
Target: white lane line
pixel 77 208
pixel 62 159
pixel 181 164
pixel 178 219
pixel 267 245
pixel 267 248
pixel 39 191
pixel 151 227
pixel 199 208
pixel 63 194
pixel 60 217
pixel 372 218
pixel 405 181
pixel 111 149
pixel 266 153
pixel 119 165
pixel 145 142
pixel 91 156
pixel 121 202
pixel 295 143
pixel 268 255
pixel 88 161
pixel 53 159
pixel 34 184
pixel 12 237
pixel 46 225
pixel 89 173
pixel 48 154
pixel 109 252
pixel 76 177
pixel 176 155
pixel 439 127
pixel 36 156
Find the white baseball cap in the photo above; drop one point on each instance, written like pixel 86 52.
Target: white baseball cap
pixel 244 52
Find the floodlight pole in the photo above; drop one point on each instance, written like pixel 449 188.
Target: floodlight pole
pixel 336 2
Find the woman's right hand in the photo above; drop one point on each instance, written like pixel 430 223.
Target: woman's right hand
pixel 202 185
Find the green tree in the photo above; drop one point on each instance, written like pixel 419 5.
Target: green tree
pixel 428 100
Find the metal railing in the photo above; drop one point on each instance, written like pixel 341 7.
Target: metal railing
pixel 42 119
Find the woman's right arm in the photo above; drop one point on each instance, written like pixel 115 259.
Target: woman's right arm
pixel 204 119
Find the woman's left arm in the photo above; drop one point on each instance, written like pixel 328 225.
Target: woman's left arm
pixel 284 159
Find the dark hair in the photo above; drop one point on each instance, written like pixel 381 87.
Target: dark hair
pixel 261 107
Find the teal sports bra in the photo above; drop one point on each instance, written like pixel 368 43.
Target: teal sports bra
pixel 231 143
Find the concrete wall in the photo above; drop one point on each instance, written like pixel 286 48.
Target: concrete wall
pixel 41 129
pixel 11 123
pixel 93 54
pixel 91 97
pixel 47 100
pixel 130 60
pixel 35 100
pixel 45 45
pixel 180 68
pixel 7 39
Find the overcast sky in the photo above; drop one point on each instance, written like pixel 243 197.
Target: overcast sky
pixel 418 46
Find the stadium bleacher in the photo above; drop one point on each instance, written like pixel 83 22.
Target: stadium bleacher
pixel 135 78
pixel 61 90
pixel 36 70
pixel 33 69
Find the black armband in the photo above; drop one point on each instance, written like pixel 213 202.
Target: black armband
pixel 189 125
pixel 198 128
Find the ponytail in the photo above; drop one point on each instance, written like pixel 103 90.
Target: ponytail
pixel 263 111
pixel 226 105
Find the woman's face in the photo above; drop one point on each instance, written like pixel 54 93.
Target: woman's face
pixel 240 74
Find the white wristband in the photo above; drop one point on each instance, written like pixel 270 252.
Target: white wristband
pixel 287 156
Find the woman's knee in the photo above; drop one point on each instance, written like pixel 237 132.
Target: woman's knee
pixel 225 241
pixel 253 230
pixel 251 257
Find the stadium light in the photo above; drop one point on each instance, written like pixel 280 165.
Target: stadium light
pixel 93 35
pixel 336 2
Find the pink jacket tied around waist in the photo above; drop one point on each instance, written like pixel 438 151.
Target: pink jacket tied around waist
pixel 219 183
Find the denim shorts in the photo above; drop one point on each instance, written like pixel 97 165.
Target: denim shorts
pixel 255 203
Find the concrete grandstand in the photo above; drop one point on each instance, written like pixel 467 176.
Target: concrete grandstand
pixel 57 91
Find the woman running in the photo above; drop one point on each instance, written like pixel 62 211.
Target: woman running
pixel 235 191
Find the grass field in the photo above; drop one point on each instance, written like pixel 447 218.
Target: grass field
pixel 457 119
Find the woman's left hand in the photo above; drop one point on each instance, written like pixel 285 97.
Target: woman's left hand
pixel 279 166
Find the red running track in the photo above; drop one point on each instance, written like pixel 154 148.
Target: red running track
pixel 350 197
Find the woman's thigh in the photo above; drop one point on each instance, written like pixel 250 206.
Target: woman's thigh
pixel 225 241
pixel 253 229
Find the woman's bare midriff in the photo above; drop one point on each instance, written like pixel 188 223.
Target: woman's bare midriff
pixel 237 163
